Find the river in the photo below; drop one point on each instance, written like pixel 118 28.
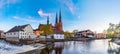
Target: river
pixel 101 46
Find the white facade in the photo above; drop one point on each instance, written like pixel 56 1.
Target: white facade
pixel 12 36
pixel 25 33
pixel 44 37
pixel 2 35
pixel 58 36
pixel 90 36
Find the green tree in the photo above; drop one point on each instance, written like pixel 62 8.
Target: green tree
pixel 75 31
pixel 68 34
pixel 111 30
pixel 46 30
pixel 117 30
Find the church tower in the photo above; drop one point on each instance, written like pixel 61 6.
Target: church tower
pixel 60 17
pixel 56 19
pixel 58 29
pixel 47 20
pixel 60 22
pixel 56 24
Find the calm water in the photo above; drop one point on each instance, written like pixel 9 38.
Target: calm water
pixel 83 47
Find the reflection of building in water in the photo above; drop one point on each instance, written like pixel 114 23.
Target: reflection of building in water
pixel 110 50
pixel 47 50
pixel 113 49
pixel 58 47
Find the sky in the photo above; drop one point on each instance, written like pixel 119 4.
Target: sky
pixel 76 14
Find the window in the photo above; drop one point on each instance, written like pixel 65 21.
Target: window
pixel 21 33
pixel 14 33
pixel 24 33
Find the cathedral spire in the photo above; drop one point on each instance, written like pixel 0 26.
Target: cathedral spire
pixel 56 19
pixel 60 16
pixel 47 20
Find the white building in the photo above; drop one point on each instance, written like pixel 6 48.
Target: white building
pixel 2 35
pixel 58 36
pixel 20 32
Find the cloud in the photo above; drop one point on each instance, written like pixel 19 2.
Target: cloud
pixel 42 14
pixel 70 5
pixel 7 2
pixel 28 19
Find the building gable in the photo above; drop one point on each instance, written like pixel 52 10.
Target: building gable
pixel 17 28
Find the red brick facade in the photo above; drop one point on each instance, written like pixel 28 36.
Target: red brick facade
pixel 100 35
pixel 57 28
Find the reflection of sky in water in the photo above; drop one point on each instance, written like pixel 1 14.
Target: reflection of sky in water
pixel 88 47
pixel 85 47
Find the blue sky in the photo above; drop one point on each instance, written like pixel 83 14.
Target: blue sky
pixel 76 14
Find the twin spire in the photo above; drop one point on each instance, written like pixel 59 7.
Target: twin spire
pixel 59 17
pixel 56 21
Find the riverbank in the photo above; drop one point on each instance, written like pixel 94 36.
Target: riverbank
pixel 117 41
pixel 7 48
pixel 36 50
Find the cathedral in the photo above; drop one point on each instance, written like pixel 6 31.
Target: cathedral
pixel 57 28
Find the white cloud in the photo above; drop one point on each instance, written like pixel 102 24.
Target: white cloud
pixel 70 5
pixel 28 19
pixel 42 14
pixel 7 2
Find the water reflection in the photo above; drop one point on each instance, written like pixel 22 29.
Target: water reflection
pixel 113 48
pixel 56 48
pixel 82 47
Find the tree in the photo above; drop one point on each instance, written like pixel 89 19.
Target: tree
pixel 111 30
pixel 117 29
pixel 75 31
pixel 68 34
pixel 46 30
